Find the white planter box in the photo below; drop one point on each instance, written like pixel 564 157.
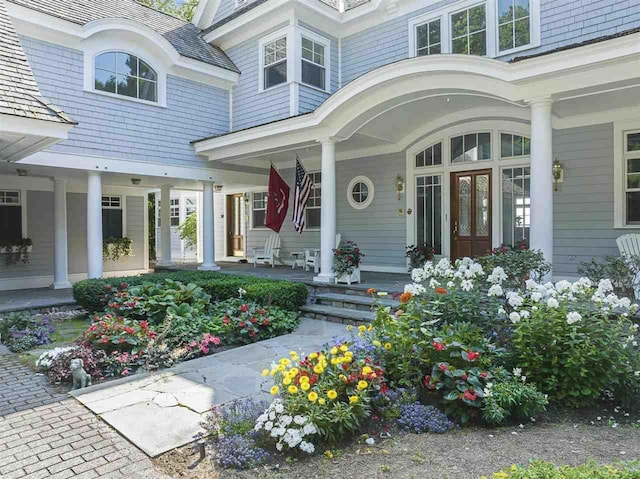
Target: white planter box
pixel 349 279
pixel 13 249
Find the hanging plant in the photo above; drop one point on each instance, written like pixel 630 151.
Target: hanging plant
pixel 113 249
pixel 16 251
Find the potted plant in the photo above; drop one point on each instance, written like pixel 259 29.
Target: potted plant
pixel 419 255
pixel 113 249
pixel 16 251
pixel 346 263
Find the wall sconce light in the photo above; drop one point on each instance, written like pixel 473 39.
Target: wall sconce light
pixel 217 188
pixel 558 174
pixel 22 172
pixel 135 181
pixel 399 185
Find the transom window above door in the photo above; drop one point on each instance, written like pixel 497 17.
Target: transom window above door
pixel 432 156
pixel 471 147
pixel 126 75
pixel 514 145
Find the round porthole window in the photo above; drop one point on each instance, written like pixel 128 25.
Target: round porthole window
pixel 360 192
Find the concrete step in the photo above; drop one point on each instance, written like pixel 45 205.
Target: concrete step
pixel 350 301
pixel 337 315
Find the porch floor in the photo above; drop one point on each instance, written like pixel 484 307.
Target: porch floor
pixel 35 298
pixel 389 282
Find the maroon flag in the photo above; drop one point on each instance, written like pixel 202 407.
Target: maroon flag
pixel 277 201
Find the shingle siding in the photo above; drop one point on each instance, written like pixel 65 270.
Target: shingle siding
pixel 250 106
pixel 124 129
pixel 583 206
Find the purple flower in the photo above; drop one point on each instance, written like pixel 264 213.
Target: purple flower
pixel 419 418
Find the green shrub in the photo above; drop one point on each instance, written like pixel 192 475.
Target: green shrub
pixel 621 271
pixel 90 293
pixel 591 470
pixel 519 264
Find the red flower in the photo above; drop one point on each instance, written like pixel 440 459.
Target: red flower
pixel 473 355
pixel 244 308
pixel 123 285
pixel 266 322
pixel 427 378
pixel 464 377
pixel 226 320
pixel 470 395
pixel 144 325
pixel 441 290
pixel 443 367
pixel 252 333
pixel 484 374
pixel 122 340
pixel 242 324
pixel 438 346
pixel 253 320
pixel 152 334
pixel 129 330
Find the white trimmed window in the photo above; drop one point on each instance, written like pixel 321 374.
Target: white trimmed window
pixel 112 217
pixel 514 24
pixel 10 216
pixel 429 212
pixel 469 31
pixel 631 152
pixel 514 146
pixel 175 211
pixel 428 38
pixel 516 205
pixel 313 205
pixel 274 57
pixel 190 207
pixel 431 156
pixel 259 209
pixel 471 147
pixel 360 192
pixel 124 74
pixel 313 63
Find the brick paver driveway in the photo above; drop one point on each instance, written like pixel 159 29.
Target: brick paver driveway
pixel 46 434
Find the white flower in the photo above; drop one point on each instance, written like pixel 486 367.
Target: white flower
pixel 241 292
pixel 536 297
pixel 517 372
pixel 300 420
pixel 466 285
pixel 268 426
pixel 637 374
pixel 450 284
pixel 501 310
pixel 279 407
pixel 514 299
pixel 573 317
pixel 552 303
pixel 307 447
pixel 415 289
pixel 514 317
pixel 604 286
pixel 525 314
pixel 562 286
pixel 434 283
pixel 370 441
pixel 495 290
pixel 309 428
pixel 531 284
pixel 497 276
pixel 279 446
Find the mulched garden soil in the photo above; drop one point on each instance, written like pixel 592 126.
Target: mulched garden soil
pixel 462 454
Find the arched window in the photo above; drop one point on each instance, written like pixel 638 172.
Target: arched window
pixel 125 74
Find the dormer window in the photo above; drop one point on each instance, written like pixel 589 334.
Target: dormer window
pixel 125 75
pixel 275 62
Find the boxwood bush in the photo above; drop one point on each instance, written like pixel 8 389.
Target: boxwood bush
pixel 591 470
pixel 89 293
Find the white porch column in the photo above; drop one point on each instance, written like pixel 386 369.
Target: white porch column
pixel 60 252
pixel 165 226
pixel 327 211
pixel 94 224
pixel 208 249
pixel 541 233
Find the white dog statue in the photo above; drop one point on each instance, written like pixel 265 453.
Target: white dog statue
pixel 80 377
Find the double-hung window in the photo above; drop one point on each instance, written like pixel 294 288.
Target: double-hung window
pixel 10 216
pixel 275 62
pixel 259 210
pixel 313 205
pixel 469 31
pixel 632 177
pixel 514 24
pixel 313 63
pixel 112 217
pixel 190 207
pixel 175 211
pixel 428 38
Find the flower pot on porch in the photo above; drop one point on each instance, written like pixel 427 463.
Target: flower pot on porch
pixel 14 249
pixel 353 277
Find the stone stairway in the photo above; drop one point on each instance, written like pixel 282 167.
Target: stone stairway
pixel 349 306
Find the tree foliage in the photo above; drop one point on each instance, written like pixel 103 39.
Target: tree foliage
pixel 184 9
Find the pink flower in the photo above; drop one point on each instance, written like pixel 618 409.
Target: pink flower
pixel 125 372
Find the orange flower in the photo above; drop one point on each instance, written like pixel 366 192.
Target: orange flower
pixel 441 290
pixel 371 291
pixel 405 297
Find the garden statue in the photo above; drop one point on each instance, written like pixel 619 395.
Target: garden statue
pixel 80 377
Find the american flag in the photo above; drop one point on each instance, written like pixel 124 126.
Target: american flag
pixel 301 196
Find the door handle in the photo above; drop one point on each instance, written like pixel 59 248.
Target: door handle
pixel 455 229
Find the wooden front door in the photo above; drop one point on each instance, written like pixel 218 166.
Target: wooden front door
pixel 235 239
pixel 470 213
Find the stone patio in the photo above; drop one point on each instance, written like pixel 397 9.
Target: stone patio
pixel 161 411
pixel 35 298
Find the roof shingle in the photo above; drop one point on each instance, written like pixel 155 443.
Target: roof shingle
pixel 19 92
pixel 184 36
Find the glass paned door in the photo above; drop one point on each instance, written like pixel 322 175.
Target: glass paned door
pixel 470 213
pixel 235 238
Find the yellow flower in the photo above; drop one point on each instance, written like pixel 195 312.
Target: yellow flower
pixel 333 350
pixel 280 367
pixel 342 377
pixel 313 396
pixel 272 373
pixel 349 354
pixel 382 293
pixel 275 390
pixel 305 386
pixel 344 348
pixel 367 370
pixel 376 343
pixel 329 454
pixel 285 361
pixel 349 328
pixel 387 346
pixel 292 389
pixel 318 369
pixel 370 328
pixel 293 355
pixel 321 401
pixel 286 381
pixel 334 361
pixel 304 379
pixel 265 372
pixel 293 372
pixel 362 329
pixel 362 385
pixel 332 394
pixel 353 399
pixel 313 355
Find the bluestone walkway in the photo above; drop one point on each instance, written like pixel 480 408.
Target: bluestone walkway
pixel 46 434
pixel 161 411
